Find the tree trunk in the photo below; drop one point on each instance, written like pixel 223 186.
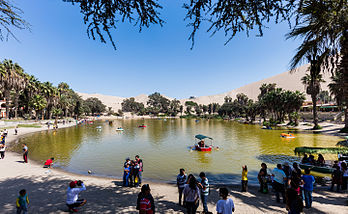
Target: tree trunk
pixel 7 97
pixel 344 70
pixel 16 105
pixel 315 113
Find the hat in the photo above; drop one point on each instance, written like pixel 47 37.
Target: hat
pixel 73 184
pixel 286 163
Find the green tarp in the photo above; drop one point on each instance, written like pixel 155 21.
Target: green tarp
pixel 321 150
pixel 201 137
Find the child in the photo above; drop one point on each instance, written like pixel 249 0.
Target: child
pixel 22 202
pixel 226 205
pixel 126 175
pixel 48 163
pixel 244 178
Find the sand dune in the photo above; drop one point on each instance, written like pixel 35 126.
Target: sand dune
pixel 286 80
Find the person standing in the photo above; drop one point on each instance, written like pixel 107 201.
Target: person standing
pixel 278 182
pixel 344 175
pixel 263 177
pixel 294 204
pixel 308 187
pixel 191 196
pixel 72 195
pixel 22 202
pixel 25 153
pixel 2 151
pixel 16 130
pixel 226 205
pixel 139 166
pixel 204 186
pixel 336 178
pixel 181 181
pixel 126 173
pixel 244 178
pixel 145 201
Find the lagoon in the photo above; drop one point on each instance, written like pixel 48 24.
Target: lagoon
pixel 164 146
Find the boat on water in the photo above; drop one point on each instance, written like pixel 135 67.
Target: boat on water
pixel 120 129
pixel 287 135
pixel 201 145
pixel 142 126
pixel 98 127
pixel 321 169
pixel 266 127
pixel 320 150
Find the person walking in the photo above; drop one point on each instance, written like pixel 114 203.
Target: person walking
pixel 308 180
pixel 145 201
pixel 2 151
pixel 72 195
pixel 191 196
pixel 225 205
pixel 244 178
pixel 25 153
pixel 278 182
pixel 204 186
pixel 181 181
pixel 22 202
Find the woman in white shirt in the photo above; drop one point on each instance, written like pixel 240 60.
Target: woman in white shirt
pixel 191 196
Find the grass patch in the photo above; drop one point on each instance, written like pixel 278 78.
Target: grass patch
pixel 29 126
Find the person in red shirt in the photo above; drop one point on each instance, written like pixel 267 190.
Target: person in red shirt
pixel 48 163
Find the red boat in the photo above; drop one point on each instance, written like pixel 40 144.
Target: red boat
pixel 203 149
pixel 201 146
pixel 142 126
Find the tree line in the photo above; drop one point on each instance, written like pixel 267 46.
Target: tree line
pixel 274 103
pixel 25 96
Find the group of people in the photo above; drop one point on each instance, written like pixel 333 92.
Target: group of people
pixel 339 175
pixel 290 184
pixel 311 160
pixel 132 173
pixel 194 191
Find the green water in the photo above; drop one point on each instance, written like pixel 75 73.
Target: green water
pixel 164 148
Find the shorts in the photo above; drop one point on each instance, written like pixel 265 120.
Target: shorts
pixel 76 204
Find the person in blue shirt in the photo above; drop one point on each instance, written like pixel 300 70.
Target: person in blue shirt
pixel 126 174
pixel 181 181
pixel 204 186
pixel 278 182
pixel 308 187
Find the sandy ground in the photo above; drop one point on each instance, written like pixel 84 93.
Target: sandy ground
pixel 47 188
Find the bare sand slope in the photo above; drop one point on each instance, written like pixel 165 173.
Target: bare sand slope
pixel 286 80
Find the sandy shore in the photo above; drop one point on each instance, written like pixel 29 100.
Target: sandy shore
pixel 47 189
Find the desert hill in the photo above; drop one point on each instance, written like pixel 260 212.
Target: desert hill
pixel 286 80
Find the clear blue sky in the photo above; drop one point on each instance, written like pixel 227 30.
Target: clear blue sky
pixel 158 59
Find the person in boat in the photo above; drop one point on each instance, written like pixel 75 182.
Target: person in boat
pixel 263 177
pixel 304 159
pixel 201 143
pixel 311 159
pixel 321 160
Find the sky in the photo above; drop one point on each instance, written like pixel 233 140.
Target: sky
pixel 158 59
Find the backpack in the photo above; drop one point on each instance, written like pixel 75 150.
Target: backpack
pixel 145 206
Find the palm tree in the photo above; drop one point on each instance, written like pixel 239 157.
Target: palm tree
pixel 312 84
pixel 19 86
pixel 9 77
pixel 38 103
pixel 323 25
pixel 336 87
